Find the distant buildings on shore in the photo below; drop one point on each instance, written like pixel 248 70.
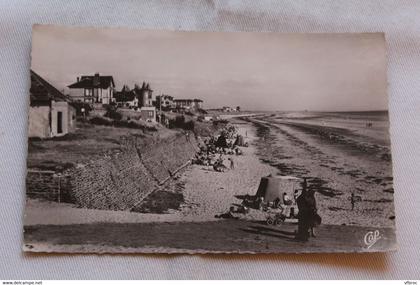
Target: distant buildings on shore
pixel 98 89
pixel 94 92
pixel 136 98
pixel 226 109
pixel 165 102
pixel 139 99
pixel 188 104
pixel 52 113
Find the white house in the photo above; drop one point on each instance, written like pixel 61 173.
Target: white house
pixel 50 111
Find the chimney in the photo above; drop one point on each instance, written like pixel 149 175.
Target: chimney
pixel 96 80
pixel 78 79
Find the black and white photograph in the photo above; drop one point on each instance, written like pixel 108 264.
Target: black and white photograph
pixel 153 141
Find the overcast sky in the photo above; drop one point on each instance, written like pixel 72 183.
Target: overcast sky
pixel 258 71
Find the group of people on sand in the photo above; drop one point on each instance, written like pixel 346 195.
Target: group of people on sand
pixel 213 149
pixel 220 166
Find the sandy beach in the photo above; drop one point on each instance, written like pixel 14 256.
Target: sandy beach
pixel 199 193
pixel 205 191
pixel 273 149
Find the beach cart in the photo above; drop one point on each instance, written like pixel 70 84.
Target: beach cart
pixel 275 217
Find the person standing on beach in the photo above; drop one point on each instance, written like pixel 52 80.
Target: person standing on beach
pixel 314 218
pixel 303 220
pixel 308 218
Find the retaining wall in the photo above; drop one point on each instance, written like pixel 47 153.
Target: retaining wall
pixel 118 181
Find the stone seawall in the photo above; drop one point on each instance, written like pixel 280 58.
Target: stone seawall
pixel 116 181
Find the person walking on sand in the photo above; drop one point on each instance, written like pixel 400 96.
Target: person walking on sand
pixel 352 201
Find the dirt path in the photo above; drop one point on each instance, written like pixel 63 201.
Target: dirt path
pixel 216 236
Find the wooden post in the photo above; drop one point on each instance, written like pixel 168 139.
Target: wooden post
pixel 59 189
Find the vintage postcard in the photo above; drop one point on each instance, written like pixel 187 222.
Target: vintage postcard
pixel 207 142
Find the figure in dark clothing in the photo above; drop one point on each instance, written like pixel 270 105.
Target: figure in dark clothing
pixel 307 217
pixel 221 142
pixel 295 195
pixel 352 201
pixel 313 216
pixel 303 221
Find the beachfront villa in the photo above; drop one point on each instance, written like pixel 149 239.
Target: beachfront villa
pixel 189 104
pixel 94 89
pixel 165 102
pixel 126 98
pixel 144 95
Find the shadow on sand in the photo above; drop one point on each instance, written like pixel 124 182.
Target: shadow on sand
pixel 271 232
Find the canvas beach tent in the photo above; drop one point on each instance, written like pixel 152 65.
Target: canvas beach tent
pixel 273 187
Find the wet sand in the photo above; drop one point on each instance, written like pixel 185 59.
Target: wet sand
pixel 337 162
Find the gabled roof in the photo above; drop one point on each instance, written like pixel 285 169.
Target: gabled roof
pixel 87 81
pixel 42 92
